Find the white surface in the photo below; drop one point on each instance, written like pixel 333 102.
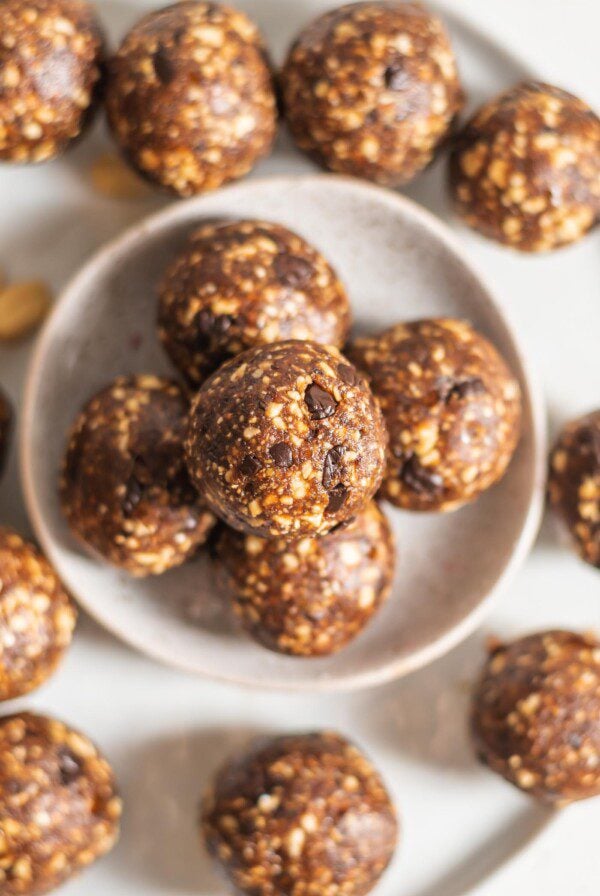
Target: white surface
pixel 146 716
pixel 409 267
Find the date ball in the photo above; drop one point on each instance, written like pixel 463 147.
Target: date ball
pixel 309 596
pixel 452 409
pixel 59 811
pixel 243 284
pixel 371 89
pixel 37 617
pixel 299 814
pixel 286 440
pixel 525 171
pixel 125 489
pixel 6 423
pixel 574 483
pixel 190 98
pixel 51 61
pixel 535 715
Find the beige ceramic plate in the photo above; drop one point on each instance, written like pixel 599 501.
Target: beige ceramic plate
pixel 398 262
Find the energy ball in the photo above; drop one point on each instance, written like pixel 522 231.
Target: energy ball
pixel 6 423
pixel 59 811
pixel 301 814
pixel 310 596
pixel 574 483
pixel 51 61
pixel 286 440
pixel 535 715
pixel 243 284
pixel 125 490
pixel 525 171
pixel 371 89
pixel 37 617
pixel 190 98
pixel 452 409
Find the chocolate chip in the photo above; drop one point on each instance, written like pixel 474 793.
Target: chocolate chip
pixel 422 480
pixel 320 403
pixel 449 388
pixel 133 495
pixel 347 374
pixel 331 466
pixel 395 76
pixel 163 66
pixel 282 455
pixel 337 498
pixel 209 325
pixel 291 270
pixel 250 465
pixel 68 767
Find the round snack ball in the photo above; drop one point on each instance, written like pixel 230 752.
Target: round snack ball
pixel 304 813
pixel 525 171
pixel 286 439
pixel 125 489
pixel 535 715
pixel 371 89
pixel 309 596
pixel 190 97
pixel 6 423
pixel 574 483
pixel 243 284
pixel 59 811
pixel 51 61
pixel 452 409
pixel 37 617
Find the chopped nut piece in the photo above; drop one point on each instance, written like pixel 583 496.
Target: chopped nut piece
pixel 23 307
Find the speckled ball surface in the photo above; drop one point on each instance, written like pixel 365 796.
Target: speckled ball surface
pixel 310 596
pixel 574 483
pixel 301 814
pixel 190 98
pixel 51 62
pixel 37 617
pixel 59 810
pixel 525 171
pixel 286 439
pixel 242 284
pixel 6 424
pixel 125 490
pixel 452 409
pixel 371 90
pixel 535 715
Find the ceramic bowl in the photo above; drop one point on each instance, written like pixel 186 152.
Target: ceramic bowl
pixel 398 262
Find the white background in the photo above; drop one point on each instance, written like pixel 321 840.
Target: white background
pixel 104 688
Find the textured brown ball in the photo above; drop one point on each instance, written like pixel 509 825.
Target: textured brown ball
pixel 37 617
pixel 6 424
pixel 526 169
pixel 125 490
pixel 452 409
pixel 301 814
pixel 286 439
pixel 51 60
pixel 59 811
pixel 243 284
pixel 574 483
pixel 190 98
pixel 371 89
pixel 310 596
pixel 535 715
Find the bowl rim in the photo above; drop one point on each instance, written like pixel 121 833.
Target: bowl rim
pixel 180 210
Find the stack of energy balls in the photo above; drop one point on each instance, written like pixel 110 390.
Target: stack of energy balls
pixel 275 445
